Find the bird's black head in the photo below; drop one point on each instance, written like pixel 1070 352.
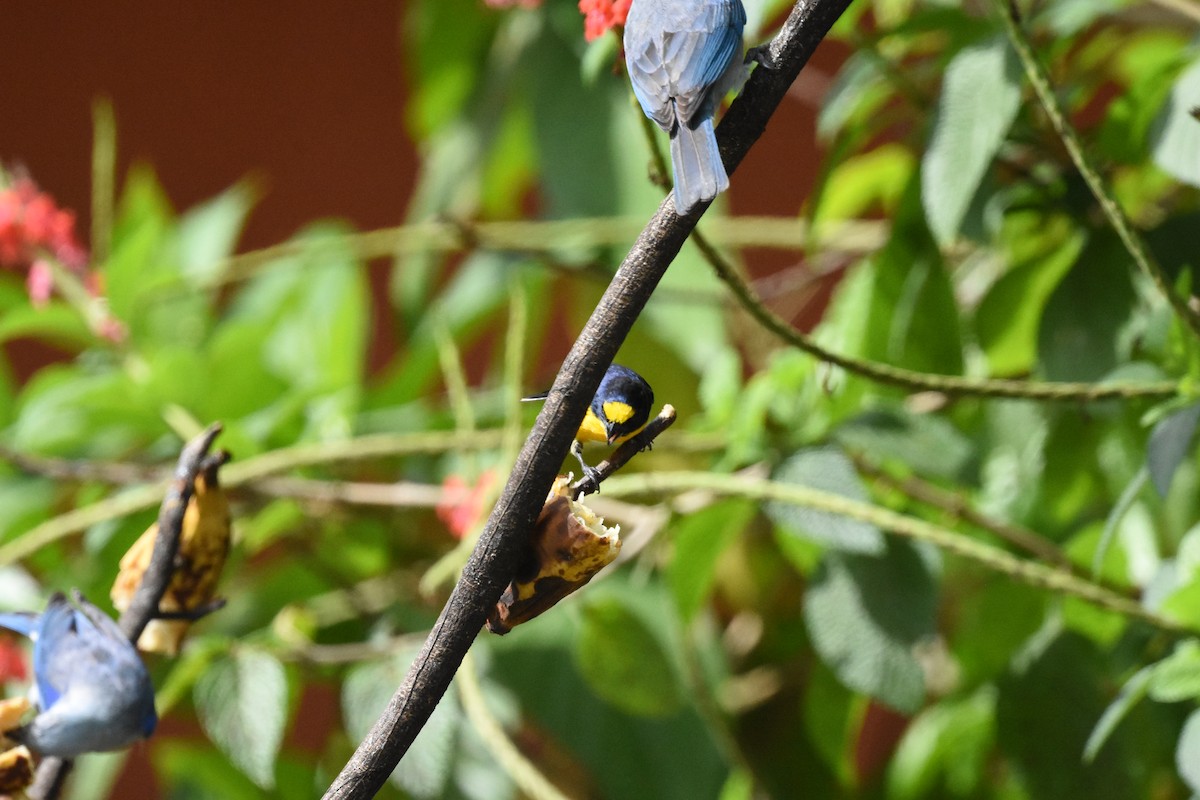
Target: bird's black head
pixel 623 402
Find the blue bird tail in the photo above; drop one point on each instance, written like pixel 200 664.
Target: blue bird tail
pixel 699 173
pixel 22 622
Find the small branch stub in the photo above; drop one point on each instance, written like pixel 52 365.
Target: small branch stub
pixel 621 456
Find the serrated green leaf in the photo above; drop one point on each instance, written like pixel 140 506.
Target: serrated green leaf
pixel 624 662
pixel 1169 444
pixel 242 702
pixel 866 613
pixel 829 470
pixel 1176 133
pixel 981 94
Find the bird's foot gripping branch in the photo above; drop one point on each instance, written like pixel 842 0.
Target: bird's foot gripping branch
pixel 569 543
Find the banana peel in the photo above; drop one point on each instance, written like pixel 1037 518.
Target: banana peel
pixel 16 763
pixel 567 546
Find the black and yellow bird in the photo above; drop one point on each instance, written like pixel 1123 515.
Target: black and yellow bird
pixel 619 411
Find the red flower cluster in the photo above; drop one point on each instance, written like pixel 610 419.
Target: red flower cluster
pixel 462 506
pixel 12 661
pixel 37 236
pixel 601 15
pixel 33 227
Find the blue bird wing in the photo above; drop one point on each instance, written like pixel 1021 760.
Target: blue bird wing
pixel 675 52
pixel 55 653
pixel 699 58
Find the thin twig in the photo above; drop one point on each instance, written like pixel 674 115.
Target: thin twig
pixel 494 560
pixel 52 772
pixel 994 558
pixel 957 506
pixel 620 457
pixel 538 237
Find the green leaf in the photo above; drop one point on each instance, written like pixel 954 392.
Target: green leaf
pixel 242 702
pixel 209 232
pixel 981 94
pixel 65 410
pixel 1131 693
pixel 1041 251
pixel 865 614
pixel 1078 339
pixel 1176 133
pixel 927 444
pixel 1169 444
pixel 1126 500
pixel 1187 752
pixel 1177 677
pixel 858 88
pixel 914 317
pixel 699 539
pixel 426 769
pixel 1045 713
pixel 624 662
pixel 829 470
pixel 948 745
pixel 572 130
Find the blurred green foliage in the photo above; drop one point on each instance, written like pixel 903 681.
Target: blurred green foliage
pixel 740 649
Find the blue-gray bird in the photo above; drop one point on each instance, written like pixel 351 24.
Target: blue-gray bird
pixel 683 56
pixel 91 689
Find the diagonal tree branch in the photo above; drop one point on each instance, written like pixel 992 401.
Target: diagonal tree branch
pixel 493 561
pixel 52 772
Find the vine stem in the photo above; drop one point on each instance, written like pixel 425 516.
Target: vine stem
pixel 1007 11
pixel 52 772
pixel 922 381
pixel 1029 572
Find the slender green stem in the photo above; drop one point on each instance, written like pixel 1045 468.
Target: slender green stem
pixel 542 236
pixel 142 497
pixel 1029 572
pixel 523 772
pixel 921 381
pixel 104 161
pixel 1141 254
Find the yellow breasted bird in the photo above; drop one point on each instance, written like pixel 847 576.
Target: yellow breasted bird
pixel 203 547
pixel 619 411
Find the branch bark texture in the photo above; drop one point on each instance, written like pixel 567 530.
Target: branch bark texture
pixel 494 560
pixel 52 772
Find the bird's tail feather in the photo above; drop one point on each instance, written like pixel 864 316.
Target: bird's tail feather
pixel 20 622
pixel 699 173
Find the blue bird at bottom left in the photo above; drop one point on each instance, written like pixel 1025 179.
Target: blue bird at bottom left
pixel 91 689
